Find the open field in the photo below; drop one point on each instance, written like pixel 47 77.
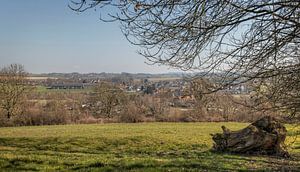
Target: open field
pixel 129 147
pixel 39 78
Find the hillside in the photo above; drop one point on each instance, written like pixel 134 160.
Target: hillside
pixel 129 147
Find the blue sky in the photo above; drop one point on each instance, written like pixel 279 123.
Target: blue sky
pixel 46 36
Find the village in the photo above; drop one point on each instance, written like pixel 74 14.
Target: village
pixel 174 90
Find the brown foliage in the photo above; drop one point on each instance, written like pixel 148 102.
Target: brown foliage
pixel 107 100
pixel 13 88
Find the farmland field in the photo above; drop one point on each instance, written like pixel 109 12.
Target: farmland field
pixel 130 147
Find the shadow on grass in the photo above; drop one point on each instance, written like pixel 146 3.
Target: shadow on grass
pixel 268 162
pixel 126 154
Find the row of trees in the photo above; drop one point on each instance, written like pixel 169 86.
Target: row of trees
pixel 21 105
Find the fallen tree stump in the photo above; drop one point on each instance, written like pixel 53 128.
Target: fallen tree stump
pixel 264 136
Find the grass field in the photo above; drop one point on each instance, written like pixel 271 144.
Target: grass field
pixel 128 147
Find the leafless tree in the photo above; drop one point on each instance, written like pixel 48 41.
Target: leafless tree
pixel 280 93
pixel 239 40
pixel 107 100
pixel 13 86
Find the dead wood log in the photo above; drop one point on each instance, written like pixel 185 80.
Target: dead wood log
pixel 264 136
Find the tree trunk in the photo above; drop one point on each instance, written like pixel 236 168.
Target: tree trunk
pixel 264 136
pixel 8 115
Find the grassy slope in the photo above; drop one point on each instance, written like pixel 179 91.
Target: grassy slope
pixel 117 147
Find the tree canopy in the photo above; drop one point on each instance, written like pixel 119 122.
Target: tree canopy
pixel 241 40
pixel 13 86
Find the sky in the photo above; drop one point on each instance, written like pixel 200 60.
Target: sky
pixel 46 36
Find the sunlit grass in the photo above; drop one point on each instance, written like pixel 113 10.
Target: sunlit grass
pixel 127 147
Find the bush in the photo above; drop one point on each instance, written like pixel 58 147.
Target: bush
pixel 89 120
pixel 131 114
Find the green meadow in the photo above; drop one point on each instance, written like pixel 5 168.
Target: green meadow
pixel 131 147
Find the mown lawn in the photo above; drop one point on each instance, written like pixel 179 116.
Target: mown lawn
pixel 129 147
